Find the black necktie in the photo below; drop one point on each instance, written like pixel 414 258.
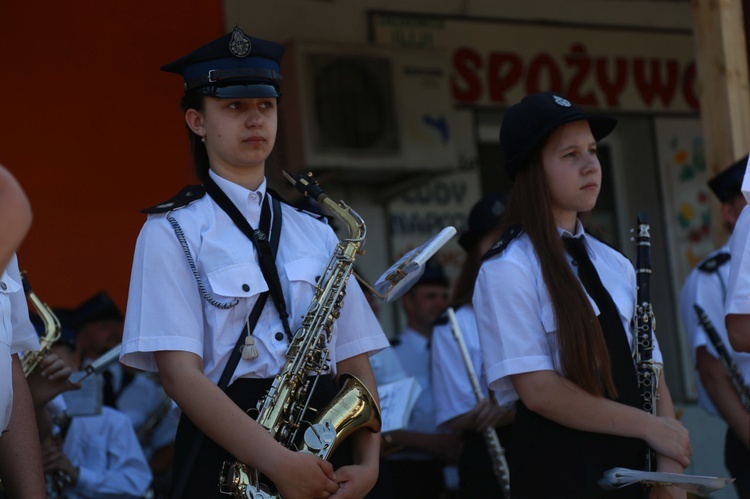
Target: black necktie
pixel 108 390
pixel 623 369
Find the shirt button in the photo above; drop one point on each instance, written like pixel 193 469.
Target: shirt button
pixel 279 336
pixel 245 288
pixel 3 286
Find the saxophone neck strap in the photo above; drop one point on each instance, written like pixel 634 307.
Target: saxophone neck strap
pixel 266 243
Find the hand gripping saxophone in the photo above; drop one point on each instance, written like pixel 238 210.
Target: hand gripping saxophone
pixel 281 410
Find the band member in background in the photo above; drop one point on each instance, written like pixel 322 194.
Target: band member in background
pixel 418 469
pixel 706 286
pixel 456 406
pixel 20 458
pixel 579 410
pixel 196 277
pixel 86 456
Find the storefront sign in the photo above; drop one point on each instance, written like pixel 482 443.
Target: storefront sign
pixel 495 62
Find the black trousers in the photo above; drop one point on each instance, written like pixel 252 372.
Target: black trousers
pixel 737 461
pixel 203 481
pixel 412 479
pixel 476 477
pixel 550 460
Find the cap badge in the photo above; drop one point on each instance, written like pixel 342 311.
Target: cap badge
pixel 239 45
pixel 560 101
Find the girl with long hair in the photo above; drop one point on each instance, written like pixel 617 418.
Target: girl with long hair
pixel 562 352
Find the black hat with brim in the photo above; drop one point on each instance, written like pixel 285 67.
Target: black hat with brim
pixel 728 183
pixel 528 123
pixel 234 66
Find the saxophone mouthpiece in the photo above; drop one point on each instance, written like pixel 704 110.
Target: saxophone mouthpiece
pixel 306 184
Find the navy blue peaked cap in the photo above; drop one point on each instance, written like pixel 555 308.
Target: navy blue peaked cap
pixel 527 123
pixel 233 66
pixel 728 183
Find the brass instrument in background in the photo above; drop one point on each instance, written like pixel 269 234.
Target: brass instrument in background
pixel 281 409
pixel 57 480
pixel 495 449
pixel 52 330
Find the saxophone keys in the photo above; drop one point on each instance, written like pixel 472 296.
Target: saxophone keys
pixel 319 437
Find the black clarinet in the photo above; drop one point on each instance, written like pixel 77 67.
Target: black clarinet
pixel 645 324
pixel 734 373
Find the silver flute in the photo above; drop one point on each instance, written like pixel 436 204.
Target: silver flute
pixel 497 454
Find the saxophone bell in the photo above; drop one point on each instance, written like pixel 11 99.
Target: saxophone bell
pixel 353 408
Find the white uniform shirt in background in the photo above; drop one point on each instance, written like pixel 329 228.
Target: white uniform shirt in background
pixel 108 455
pixel 17 334
pixel 708 290
pixel 451 387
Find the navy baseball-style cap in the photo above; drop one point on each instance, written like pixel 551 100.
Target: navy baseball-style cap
pixel 728 183
pixel 233 66
pixel 484 215
pixel 527 123
pixel 99 307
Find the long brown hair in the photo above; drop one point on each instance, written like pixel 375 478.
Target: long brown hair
pixel 463 289
pixel 583 351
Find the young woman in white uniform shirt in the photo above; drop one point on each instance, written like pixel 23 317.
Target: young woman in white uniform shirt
pixel 579 409
pixel 183 318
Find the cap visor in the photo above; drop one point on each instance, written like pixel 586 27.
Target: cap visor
pixel 601 126
pixel 255 91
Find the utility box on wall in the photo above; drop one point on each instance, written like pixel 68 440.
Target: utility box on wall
pixel 370 112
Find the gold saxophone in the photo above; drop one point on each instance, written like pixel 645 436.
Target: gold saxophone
pixel 57 480
pixel 282 408
pixel 52 330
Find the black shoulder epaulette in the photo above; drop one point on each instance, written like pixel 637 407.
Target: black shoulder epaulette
pixel 712 264
pixel 186 196
pixel 508 236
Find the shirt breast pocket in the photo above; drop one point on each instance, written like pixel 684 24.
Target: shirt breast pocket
pixel 303 275
pixel 242 280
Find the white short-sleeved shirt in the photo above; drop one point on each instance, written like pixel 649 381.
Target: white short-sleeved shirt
pixel 413 352
pixel 738 285
pixel 515 317
pixel 107 453
pixel 17 334
pixel 708 290
pixel 451 386
pixel 166 311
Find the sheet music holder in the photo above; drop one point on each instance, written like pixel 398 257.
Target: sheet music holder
pixel 397 400
pixel 700 485
pixel 87 401
pixel 409 268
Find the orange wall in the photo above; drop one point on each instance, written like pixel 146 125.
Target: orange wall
pixel 92 130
